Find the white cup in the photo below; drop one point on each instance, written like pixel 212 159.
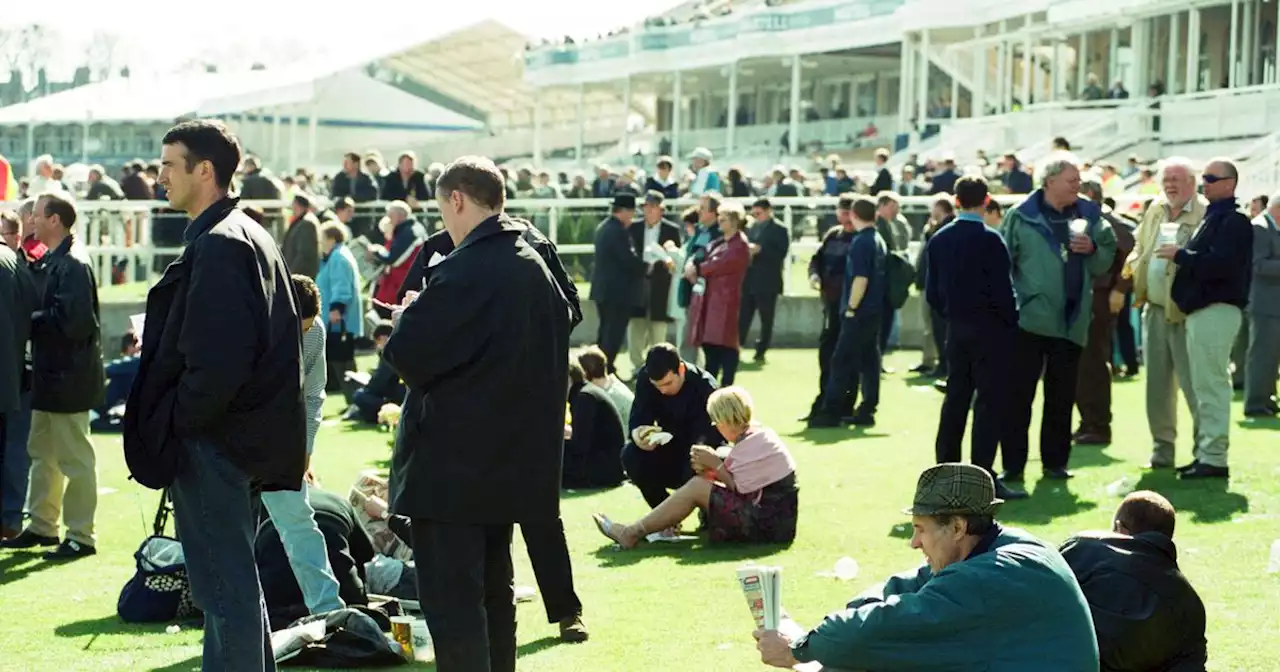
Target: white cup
pixel 423 652
pixel 1079 227
pixel 1169 233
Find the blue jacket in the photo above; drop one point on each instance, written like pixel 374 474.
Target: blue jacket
pixel 1013 605
pixel 967 274
pixel 339 284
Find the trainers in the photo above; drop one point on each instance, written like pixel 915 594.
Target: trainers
pixel 29 539
pixel 573 630
pixel 70 550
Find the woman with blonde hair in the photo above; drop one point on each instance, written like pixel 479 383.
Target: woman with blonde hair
pixel 749 495
pixel 717 294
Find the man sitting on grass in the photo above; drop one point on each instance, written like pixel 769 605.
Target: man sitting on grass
pixel 367 393
pixel 1146 614
pixel 991 597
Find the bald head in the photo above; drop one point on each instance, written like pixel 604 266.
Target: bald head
pixel 1220 178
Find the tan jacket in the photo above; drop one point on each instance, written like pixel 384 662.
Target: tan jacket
pixel 1145 246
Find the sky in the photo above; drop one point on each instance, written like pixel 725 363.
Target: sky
pixel 163 36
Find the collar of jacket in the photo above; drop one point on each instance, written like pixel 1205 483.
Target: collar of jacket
pixel 984 544
pixel 1162 543
pixel 1032 212
pixel 63 248
pixel 493 226
pixel 211 215
pixel 967 217
pixel 1221 207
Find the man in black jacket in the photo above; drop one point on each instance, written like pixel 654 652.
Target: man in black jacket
pixel 483 352
pixel 406 183
pixel 17 299
pixel 671 394
pixel 68 383
pixel 617 276
pixel 650 319
pixel 360 187
pixel 216 412
pixel 1211 286
pixel 826 274
pixel 1146 614
pixel 763 283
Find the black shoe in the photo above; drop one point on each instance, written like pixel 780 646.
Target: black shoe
pixel 1058 474
pixel 1007 493
pixel 1188 467
pixel 70 550
pixel 1092 439
pixel 859 420
pixel 1010 477
pixel 758 358
pixel 1204 471
pixel 1261 413
pixel 572 630
pixel 29 539
pixel 940 385
pixel 922 369
pixel 824 421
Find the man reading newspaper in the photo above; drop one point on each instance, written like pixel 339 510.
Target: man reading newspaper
pixel 991 597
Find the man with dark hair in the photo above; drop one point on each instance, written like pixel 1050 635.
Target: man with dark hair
pixel 593 441
pixel 217 412
pixel 617 278
pixel 344 209
pixel 856 362
pixel 68 382
pixel 896 232
pixel 763 285
pixel 301 243
pixel 663 180
pixel 257 184
pixel 968 282
pixel 17 300
pixel 826 274
pixel 884 179
pixel 360 187
pixel 596 369
pixel 489 331
pixel 1146 614
pixel 671 395
pixel 1093 387
pixel 653 239
pixel 406 183
pixel 990 597
pixel 102 187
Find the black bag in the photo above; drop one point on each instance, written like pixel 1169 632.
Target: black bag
pixel 159 591
pixel 340 347
pixel 351 639
pixel 900 275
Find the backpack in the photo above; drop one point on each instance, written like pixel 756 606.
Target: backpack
pixel 159 591
pixel 899 276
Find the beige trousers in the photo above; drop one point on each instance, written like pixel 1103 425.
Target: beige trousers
pixel 1168 370
pixel 1211 332
pixel 64 475
pixel 643 334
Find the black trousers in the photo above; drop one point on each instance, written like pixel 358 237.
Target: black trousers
pixel 614 318
pixel 1126 339
pixel 549 554
pixel 656 471
pixel 465 587
pixel 856 362
pixel 978 354
pixel 938 324
pixel 767 304
pixel 722 363
pixel 1058 360
pixel 886 327
pixel 827 345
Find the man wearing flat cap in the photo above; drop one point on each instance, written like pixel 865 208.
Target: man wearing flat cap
pixel 617 279
pixel 990 597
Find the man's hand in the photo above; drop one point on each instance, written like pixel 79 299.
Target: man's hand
pixel 691 271
pixel 568 432
pixel 815 282
pixel 335 317
pixel 775 649
pixel 409 297
pixel 1115 302
pixel 755 248
pixel 640 436
pixel 1167 251
pixel 1082 244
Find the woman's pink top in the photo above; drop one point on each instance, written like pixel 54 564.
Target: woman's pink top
pixel 758 459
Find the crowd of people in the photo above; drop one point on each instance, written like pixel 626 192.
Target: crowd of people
pixel 243 337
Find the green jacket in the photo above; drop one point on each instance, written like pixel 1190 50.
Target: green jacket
pixel 1040 272
pixel 1011 607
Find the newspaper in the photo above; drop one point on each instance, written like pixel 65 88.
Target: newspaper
pixel 762 587
pixel 369 498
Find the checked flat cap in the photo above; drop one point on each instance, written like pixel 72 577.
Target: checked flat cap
pixel 955 488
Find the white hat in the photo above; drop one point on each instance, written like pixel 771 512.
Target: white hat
pixel 701 153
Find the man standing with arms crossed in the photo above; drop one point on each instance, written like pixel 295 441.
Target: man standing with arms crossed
pixel 484 352
pixel 217 411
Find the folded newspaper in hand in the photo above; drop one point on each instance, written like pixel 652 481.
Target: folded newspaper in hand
pixel 762 587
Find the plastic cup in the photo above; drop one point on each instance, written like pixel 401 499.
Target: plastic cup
pixel 402 633
pixel 1079 227
pixel 1169 233
pixel 423 651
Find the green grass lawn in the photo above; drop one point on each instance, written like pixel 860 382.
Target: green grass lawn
pixel 678 607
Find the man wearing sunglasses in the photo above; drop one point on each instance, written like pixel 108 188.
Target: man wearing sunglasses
pixel 1211 286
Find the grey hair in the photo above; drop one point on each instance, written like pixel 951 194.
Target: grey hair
pixel 28 207
pixel 1274 201
pixel 400 207
pixel 1092 189
pixel 1177 162
pixel 44 160
pixel 1054 168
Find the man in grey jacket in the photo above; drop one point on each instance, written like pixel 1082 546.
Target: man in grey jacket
pixel 1264 316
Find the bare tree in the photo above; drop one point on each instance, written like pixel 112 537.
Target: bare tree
pixel 103 54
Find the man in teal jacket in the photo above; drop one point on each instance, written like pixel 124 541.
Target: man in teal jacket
pixel 1058 243
pixel 991 598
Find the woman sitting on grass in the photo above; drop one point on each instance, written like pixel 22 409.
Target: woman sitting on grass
pixel 749 496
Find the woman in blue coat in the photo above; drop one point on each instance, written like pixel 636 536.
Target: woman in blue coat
pixel 339 283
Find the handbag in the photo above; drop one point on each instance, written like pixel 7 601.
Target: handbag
pixel 158 591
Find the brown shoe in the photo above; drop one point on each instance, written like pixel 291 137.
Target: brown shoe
pixel 572 630
pixel 8 533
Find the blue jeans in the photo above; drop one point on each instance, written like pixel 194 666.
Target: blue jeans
pixel 214 512
pixel 303 543
pixel 17 465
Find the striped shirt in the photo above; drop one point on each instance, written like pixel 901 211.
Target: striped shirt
pixel 313 367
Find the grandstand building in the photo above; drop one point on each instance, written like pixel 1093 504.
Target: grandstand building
pixel 776 78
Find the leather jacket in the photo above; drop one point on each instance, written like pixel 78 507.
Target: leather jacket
pixel 65 334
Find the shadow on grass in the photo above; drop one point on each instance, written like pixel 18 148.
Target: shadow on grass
pixel 697 552
pixel 1271 423
pixel 21 563
pixel 1208 500
pixel 191 664
pixel 828 436
pixel 1091 456
pixel 1049 500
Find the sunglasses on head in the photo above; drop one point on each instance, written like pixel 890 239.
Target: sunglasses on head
pixel 1210 179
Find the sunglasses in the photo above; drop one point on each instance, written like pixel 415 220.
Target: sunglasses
pixel 1211 179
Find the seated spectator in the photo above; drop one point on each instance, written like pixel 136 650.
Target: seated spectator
pixel 750 495
pixel 595 368
pixel 120 374
pixel 348 546
pixel 1146 614
pixel 594 438
pixel 366 393
pixel 671 394
pixel 990 598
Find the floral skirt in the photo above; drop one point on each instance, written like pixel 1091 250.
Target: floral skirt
pixel 735 517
